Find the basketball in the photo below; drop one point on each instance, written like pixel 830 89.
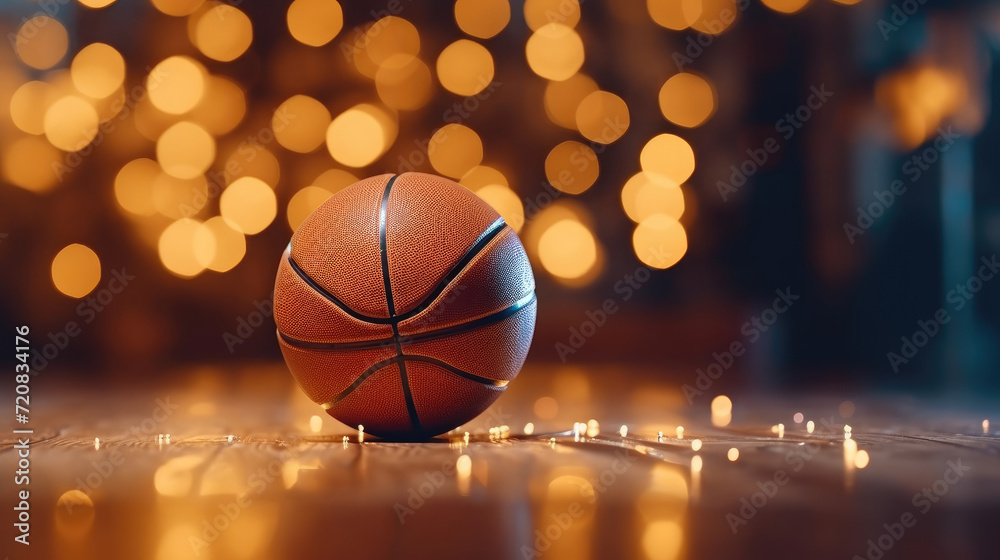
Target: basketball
pixel 405 304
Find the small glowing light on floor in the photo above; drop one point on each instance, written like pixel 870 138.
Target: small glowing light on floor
pixel 680 432
pixel 659 436
pixel 695 444
pixel 346 440
pixel 733 454
pixel 781 430
pixel 798 418
pixel 315 424
pixel 986 426
pixel 593 428
pixel 361 433
pixel 552 442
pixel 463 467
pixel 229 438
pixel 97 444
pixel 774 429
pixel 167 439
pixel 850 452
pixel 810 426
pixel 847 431
pixel 696 463
pixel 623 431
pixel 861 459
pixel 529 428
pixel 505 431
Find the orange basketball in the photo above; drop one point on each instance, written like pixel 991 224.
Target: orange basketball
pixel 404 303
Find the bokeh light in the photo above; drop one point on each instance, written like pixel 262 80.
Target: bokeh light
pixel 218 245
pixel 303 203
pixel 481 176
pixel 572 167
pixel 564 97
pixel 659 241
pixel 314 22
pixel 41 42
pixel 465 67
pixel 482 18
pixel 134 186
pixel 687 99
pixel 185 150
pixel 555 51
pixel 674 14
pixel 221 108
pixel 96 4
pixel 177 249
pixel 567 249
pixel 178 7
pixel 70 123
pixel 506 202
pixel 539 13
pixel 222 32
pixel 300 123
pixel 334 180
pixel 359 135
pixel 98 70
pixel 404 82
pixel 645 194
pixel 249 205
pixel 384 38
pixel 785 6
pixel 662 540
pixel 28 105
pixel 76 270
pixel 668 155
pixel 179 198
pixel 715 16
pixel 252 159
pixel 602 117
pixel 30 163
pixel 176 84
pixel 454 149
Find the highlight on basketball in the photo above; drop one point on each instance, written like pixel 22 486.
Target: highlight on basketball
pixel 512 279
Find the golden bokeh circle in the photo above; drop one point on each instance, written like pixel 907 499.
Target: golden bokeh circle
pixel 465 67
pixel 687 99
pixel 555 51
pixel 659 241
pixel 76 270
pixel 314 22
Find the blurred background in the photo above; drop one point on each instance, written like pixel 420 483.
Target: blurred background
pixel 802 191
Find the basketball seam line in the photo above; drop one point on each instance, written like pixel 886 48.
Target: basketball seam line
pixel 499 385
pixel 426 336
pixel 411 407
pixel 477 247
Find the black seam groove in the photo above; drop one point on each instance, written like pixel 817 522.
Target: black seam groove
pixel 332 298
pixel 411 339
pixel 383 212
pixel 484 239
pixel 492 383
pixel 360 379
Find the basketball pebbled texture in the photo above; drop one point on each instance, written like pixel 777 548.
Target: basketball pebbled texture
pixel 404 304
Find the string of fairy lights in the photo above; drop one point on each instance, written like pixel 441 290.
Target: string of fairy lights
pixel 208 188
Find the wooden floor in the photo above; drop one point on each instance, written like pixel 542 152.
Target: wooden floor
pixel 238 464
